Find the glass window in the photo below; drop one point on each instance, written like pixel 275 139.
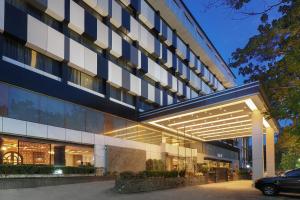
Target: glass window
pixel 74 117
pixel 45 64
pixel 17 51
pixel 74 76
pixel 13 50
pixel 122 95
pixel 3 99
pixel 128 98
pixel 23 105
pixel 79 156
pixel 114 125
pixel 9 151
pixel 115 93
pixel 34 153
pixel 85 80
pixel 19 151
pixel 89 82
pixel 52 112
pixel 94 121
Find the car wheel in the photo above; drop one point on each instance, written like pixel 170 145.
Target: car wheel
pixel 269 190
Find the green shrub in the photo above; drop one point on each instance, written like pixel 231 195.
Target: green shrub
pixel 43 169
pixel 128 175
pixel 77 170
pixel 152 174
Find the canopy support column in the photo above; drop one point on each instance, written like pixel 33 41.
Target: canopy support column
pixel 257 145
pixel 270 152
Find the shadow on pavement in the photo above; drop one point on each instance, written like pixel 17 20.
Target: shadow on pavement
pixel 289 195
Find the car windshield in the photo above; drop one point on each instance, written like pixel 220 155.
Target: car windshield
pixel 293 173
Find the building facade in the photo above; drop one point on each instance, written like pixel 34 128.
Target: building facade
pixel 75 75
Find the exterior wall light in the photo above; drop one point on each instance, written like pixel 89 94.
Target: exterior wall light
pixel 58 172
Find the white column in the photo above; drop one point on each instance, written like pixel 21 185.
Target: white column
pixel 257 145
pixel 270 152
pixel 99 154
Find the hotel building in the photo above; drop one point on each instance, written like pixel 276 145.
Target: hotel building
pixel 113 83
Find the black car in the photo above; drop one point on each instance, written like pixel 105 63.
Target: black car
pixel 288 182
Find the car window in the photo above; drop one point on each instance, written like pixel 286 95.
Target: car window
pixel 295 173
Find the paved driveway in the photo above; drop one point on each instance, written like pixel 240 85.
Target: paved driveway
pixel 238 190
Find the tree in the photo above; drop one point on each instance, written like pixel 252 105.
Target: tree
pixel 273 57
pixel 287 151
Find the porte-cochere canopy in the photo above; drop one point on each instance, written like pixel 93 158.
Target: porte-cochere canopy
pixel 236 112
pixel 219 116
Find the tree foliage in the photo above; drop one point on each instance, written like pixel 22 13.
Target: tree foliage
pixel 273 58
pixel 288 151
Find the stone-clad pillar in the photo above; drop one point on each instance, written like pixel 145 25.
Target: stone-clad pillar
pixel 99 155
pixel 270 152
pixel 257 145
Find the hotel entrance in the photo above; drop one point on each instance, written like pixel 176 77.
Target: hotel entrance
pixel 233 113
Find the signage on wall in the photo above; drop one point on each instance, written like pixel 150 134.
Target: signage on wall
pixel 219 155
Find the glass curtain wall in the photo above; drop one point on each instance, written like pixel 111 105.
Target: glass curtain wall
pixel 25 105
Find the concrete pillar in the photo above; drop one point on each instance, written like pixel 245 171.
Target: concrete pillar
pixel 257 145
pixel 99 155
pixel 270 152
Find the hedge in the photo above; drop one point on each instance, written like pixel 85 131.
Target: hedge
pixel 43 169
pixel 151 174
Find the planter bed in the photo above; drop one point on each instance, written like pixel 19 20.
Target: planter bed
pixel 136 185
pixel 31 181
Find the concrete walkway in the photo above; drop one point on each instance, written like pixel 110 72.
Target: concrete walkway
pixel 237 190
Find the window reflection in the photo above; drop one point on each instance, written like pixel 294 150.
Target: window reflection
pixel 122 95
pixel 85 80
pixel 23 105
pixel 74 117
pixel 3 100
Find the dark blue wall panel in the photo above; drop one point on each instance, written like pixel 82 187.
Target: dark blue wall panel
pixel 90 26
pixel 157 22
pixel 134 59
pixel 157 95
pixel 125 79
pixel 174 40
pixel 125 20
pixel 144 91
pixel 144 62
pixel 102 67
pixel 165 98
pixel 15 22
pixel 126 50
pixel 67 11
pixel 174 63
pixel 156 48
pixel 164 53
pixel 164 31
pixel 136 5
pixel 169 80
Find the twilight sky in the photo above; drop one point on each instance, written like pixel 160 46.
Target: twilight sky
pixel 228 29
